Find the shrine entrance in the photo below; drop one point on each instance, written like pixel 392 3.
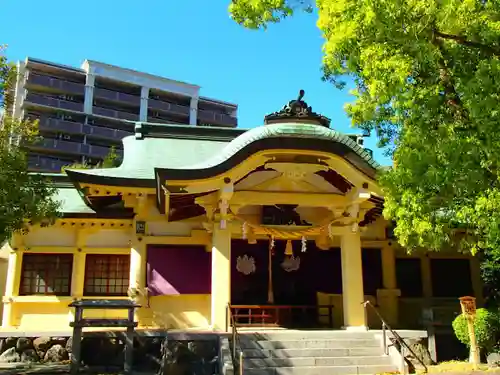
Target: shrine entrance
pixel 279 286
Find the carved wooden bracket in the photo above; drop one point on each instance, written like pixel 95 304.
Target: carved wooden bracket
pixel 296 171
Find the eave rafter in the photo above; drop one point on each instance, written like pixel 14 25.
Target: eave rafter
pixel 92 190
pixel 95 223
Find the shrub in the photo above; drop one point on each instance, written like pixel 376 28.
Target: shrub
pixel 486 327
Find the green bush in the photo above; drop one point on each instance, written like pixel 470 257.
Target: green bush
pixel 486 327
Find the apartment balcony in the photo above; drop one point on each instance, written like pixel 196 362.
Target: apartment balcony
pixel 43 164
pixel 115 96
pixel 165 121
pixel 35 79
pixel 105 133
pixel 100 111
pixel 70 127
pixel 57 146
pixel 60 126
pixel 47 101
pixel 71 148
pixel 211 117
pixel 170 108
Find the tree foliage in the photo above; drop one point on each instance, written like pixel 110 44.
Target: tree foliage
pixel 7 74
pixel 23 196
pixel 486 328
pixel 427 77
pixel 257 14
pixel 110 161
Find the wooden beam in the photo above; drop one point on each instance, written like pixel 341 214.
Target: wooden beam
pixel 304 199
pixel 197 237
pixel 358 195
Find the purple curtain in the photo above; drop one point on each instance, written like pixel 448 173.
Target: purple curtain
pixel 251 288
pixel 174 269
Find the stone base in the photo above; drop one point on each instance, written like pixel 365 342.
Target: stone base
pixel 355 328
pixel 34 349
pixel 181 353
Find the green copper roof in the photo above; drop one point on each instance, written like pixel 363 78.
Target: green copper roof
pixel 71 201
pixel 174 149
pixel 284 130
pixel 141 157
pixel 286 136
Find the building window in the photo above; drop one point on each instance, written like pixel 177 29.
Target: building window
pixel 107 275
pixel 372 271
pixel 47 274
pixel 409 277
pixel 441 269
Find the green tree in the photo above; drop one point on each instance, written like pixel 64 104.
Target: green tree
pixel 427 81
pixel 24 196
pixel 111 160
pixel 486 328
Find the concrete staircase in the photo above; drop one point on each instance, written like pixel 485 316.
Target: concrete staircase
pixel 313 353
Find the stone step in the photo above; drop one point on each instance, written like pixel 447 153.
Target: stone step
pixel 322 370
pixel 309 344
pixel 306 335
pixel 290 353
pixel 316 361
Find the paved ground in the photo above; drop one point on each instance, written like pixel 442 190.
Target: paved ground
pixel 47 369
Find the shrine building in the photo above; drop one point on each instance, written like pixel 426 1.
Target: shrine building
pixel 205 227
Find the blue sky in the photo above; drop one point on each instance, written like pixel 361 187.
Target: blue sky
pixel 189 40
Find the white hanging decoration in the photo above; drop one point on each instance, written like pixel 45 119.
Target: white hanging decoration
pixel 272 242
pixel 291 263
pixel 355 227
pixel 245 264
pixel 304 244
pixel 223 207
pixel 244 229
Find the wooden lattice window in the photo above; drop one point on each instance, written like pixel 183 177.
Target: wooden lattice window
pixel 107 275
pixel 48 274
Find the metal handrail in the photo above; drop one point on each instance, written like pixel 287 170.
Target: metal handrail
pixel 236 340
pixel 398 338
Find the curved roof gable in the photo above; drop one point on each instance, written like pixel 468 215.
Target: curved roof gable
pixel 298 136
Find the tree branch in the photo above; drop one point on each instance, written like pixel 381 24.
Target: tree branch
pixel 463 41
pixel 453 99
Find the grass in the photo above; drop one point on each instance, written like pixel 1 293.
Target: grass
pixel 454 367
pixel 457 366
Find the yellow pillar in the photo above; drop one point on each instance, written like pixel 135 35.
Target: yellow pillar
pixel 387 298
pixel 137 265
pixel 78 275
pixel 352 281
pixel 137 278
pixel 221 277
pixel 13 282
pixel 477 284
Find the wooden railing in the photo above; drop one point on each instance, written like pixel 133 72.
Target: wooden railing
pixel 237 352
pixel 300 316
pixel 403 346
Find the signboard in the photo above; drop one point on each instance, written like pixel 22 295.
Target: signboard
pixel 140 227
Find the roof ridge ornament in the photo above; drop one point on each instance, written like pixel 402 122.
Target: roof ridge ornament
pixel 297 111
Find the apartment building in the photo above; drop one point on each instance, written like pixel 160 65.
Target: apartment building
pixel 84 112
